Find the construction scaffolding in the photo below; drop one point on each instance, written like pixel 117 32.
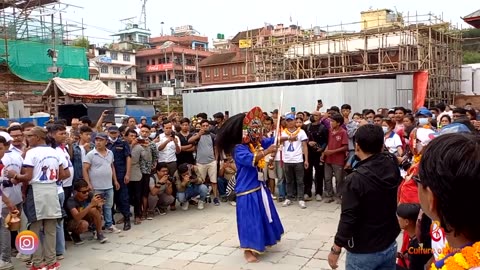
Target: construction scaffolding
pixel 410 43
pixel 32 35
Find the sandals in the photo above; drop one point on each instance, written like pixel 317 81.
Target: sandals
pixel 137 221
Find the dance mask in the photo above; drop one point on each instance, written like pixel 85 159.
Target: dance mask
pixel 253 125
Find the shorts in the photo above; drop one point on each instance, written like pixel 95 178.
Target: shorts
pixel 72 225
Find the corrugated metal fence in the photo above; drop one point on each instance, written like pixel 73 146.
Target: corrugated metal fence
pixel 359 93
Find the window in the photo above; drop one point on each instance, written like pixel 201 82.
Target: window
pixel 114 55
pixel 116 70
pixel 128 71
pixel 118 86
pixel 128 87
pixel 225 71
pixel 207 73
pixel 234 71
pixel 215 72
pixel 104 69
pixel 126 57
pixel 244 70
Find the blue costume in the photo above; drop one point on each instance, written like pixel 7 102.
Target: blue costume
pixel 256 228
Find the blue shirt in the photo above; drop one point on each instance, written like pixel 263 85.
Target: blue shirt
pixel 247 174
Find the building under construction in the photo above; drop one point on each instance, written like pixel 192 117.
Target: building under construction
pixel 382 41
pixel 33 50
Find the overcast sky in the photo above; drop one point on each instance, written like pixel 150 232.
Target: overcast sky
pixel 209 17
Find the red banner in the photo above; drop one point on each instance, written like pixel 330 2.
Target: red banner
pixel 160 67
pixel 420 85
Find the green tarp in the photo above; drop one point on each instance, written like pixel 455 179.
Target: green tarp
pixel 29 60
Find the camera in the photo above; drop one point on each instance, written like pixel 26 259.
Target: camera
pixel 173 134
pixel 7 183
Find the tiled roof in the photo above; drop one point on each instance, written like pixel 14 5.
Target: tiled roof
pixel 473 19
pixel 243 35
pixel 219 58
pixel 472 15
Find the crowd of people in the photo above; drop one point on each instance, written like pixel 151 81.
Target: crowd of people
pixel 101 171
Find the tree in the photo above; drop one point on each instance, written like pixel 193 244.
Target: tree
pixel 81 42
pixel 471 46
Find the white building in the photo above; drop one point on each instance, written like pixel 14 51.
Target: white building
pixel 117 69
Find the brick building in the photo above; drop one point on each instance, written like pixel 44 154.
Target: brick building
pixel 225 68
pixel 173 60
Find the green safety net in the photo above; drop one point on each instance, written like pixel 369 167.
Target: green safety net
pixel 29 60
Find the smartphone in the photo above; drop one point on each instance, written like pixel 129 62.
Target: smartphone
pixel 292 109
pixel 478 117
pixel 319 101
pixel 227 113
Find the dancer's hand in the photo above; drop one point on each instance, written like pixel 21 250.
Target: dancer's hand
pixel 333 260
pixel 272 149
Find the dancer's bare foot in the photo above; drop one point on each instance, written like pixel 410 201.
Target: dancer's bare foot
pixel 250 256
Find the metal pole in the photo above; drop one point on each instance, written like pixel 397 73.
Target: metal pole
pixel 197 77
pixel 54 60
pixel 168 104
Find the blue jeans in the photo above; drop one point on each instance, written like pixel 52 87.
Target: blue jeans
pixel 282 184
pixel 222 186
pixel 60 236
pixel 107 194
pixel 193 191
pixel 382 260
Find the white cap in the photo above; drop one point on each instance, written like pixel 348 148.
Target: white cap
pixel 14 124
pixel 7 136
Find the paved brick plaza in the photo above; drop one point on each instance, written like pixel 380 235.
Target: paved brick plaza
pixel 207 239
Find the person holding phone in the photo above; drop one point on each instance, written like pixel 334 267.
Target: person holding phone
pixel 99 173
pixel 83 210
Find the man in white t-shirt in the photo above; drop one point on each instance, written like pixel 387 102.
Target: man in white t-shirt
pixel 168 147
pixel 59 134
pixel 42 169
pixel 12 196
pixel 294 149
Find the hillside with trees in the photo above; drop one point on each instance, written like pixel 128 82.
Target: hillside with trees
pixel 471 46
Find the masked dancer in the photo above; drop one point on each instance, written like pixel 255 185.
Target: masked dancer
pixel 258 222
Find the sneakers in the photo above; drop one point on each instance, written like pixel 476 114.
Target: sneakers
pixel 112 229
pixel 286 203
pixel 76 239
pixel 60 257
pixel 216 202
pixel 306 197
pixel 233 203
pixel 302 204
pixel 184 206
pixel 54 266
pixel 162 211
pixel 150 215
pixel 201 205
pixel 318 197
pixel 6 265
pixel 101 238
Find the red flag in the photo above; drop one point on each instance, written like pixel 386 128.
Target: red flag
pixel 420 84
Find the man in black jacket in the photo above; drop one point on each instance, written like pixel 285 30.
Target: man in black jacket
pixel 368 225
